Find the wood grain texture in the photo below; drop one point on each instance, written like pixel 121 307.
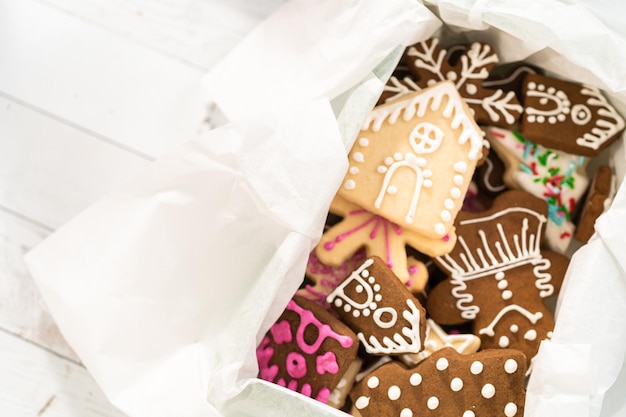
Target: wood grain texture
pixel 196 32
pixel 36 383
pixel 22 311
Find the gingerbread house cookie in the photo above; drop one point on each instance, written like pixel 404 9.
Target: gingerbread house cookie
pixel 413 161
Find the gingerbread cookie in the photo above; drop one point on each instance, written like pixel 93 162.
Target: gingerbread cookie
pixel 487 383
pixel 307 350
pixel 430 64
pixel 594 204
pixel 570 117
pixel 322 279
pixel 360 228
pixel 386 317
pixel 412 163
pixel 489 176
pixel 510 77
pixel 499 276
pixel 437 339
pixel 556 176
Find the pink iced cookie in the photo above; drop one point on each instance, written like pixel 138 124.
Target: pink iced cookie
pixel 307 350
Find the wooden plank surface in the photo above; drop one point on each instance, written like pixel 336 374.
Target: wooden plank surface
pixel 90 91
pixel 64 389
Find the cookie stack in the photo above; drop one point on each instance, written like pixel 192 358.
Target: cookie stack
pixel 428 293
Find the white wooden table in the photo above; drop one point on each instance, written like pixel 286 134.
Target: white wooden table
pixel 90 91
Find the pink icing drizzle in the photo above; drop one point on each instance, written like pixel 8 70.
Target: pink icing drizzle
pixel 296 365
pixel 264 354
pixel 322 395
pixel 324 331
pixel 326 363
pixel 378 220
pixel 281 332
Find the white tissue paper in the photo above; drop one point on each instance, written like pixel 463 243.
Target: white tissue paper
pixel 165 286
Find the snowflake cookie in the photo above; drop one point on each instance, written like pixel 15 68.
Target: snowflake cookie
pixel 468 69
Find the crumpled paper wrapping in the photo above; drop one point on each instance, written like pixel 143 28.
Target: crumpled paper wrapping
pixel 165 286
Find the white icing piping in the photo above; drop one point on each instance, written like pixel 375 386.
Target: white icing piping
pixel 605 129
pixel 419 105
pixel 399 344
pixel 533 318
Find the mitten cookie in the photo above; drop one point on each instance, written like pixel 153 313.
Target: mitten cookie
pixel 487 383
pixel 499 276
pixel 595 203
pixel 413 160
pixel 555 176
pixel 468 70
pixel 386 317
pixel 360 228
pixel 307 350
pixel 571 117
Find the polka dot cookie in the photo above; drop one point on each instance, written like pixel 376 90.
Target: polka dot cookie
pixel 487 383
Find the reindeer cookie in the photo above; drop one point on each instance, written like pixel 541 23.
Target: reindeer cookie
pixel 386 317
pixel 571 117
pixel 467 68
pixel 413 161
pixel 487 383
pixel 307 350
pixel 555 176
pixel 499 276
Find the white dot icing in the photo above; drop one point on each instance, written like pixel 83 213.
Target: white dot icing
pixel 415 379
pixel 392 189
pixel 356 313
pixel 381 169
pixel 456 384
pixel 514 328
pixel 440 229
pixel 397 156
pixel 458 180
pixel 446 216
pixel 448 203
pixel 362 402
pixel 442 364
pixel 358 289
pixel 406 412
pixel 503 284
pixel 510 410
pixel 358 156
pixel 468 413
pixel 373 382
pixel 428 183
pixel 432 403
pixel 364 142
pixel 488 391
pixel 455 192
pixel 354 170
pixel 531 334
pixel 388 160
pixel 476 367
pixel 349 185
pixel 507 294
pixel 461 167
pixel 503 341
pixel 394 392
pixel 499 275
pixel 510 366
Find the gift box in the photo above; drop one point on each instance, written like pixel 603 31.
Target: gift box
pixel 165 287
